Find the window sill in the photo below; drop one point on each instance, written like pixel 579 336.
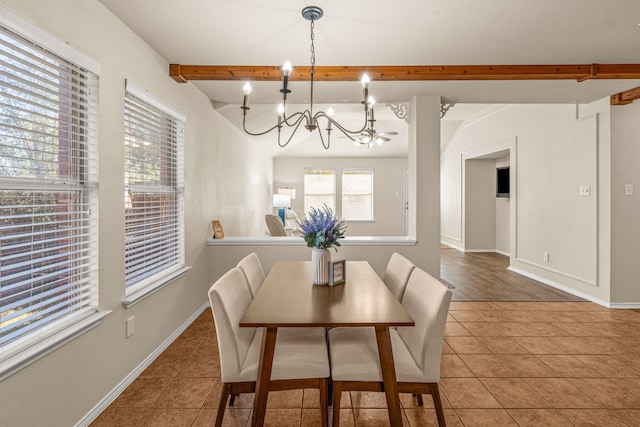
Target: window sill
pixel 137 296
pixel 28 355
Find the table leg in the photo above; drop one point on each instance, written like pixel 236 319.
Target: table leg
pixel 264 375
pixel 389 375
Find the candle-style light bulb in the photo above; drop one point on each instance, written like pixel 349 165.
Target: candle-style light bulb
pixel 365 80
pixel 286 68
pixel 371 101
pixel 280 111
pixel 365 87
pixel 330 112
pixel 247 90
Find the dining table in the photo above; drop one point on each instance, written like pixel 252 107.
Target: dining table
pixel 288 298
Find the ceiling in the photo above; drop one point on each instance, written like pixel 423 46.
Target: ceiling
pixel 378 32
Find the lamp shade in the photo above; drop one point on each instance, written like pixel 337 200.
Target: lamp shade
pixel 290 191
pixel 281 201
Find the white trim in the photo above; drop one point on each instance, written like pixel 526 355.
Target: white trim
pixel 558 272
pixel 36 34
pixel 298 241
pixel 118 389
pixel 35 352
pixel 563 288
pixel 143 94
pixel 137 296
pixel 624 305
pixel 458 248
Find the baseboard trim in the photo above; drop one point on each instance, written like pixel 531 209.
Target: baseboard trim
pixel 563 288
pixel 625 305
pixel 113 394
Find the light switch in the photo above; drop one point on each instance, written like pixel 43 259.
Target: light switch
pixel 628 190
pixel 585 190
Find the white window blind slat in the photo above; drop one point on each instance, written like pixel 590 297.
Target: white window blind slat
pixel 48 192
pixel 154 223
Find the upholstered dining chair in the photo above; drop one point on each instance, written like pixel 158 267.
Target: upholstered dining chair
pixel 355 365
pixel 275 225
pixel 300 359
pixel 397 274
pixel 253 271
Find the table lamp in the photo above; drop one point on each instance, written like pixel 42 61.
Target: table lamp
pixel 281 201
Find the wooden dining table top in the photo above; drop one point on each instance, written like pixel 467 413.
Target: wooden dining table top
pixel 289 298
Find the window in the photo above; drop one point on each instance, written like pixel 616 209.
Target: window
pixel 319 188
pixel 357 194
pixel 154 173
pixel 48 194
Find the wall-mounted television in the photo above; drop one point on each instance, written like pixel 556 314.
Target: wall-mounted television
pixel 502 182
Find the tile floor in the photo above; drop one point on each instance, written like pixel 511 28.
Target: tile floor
pixel 503 364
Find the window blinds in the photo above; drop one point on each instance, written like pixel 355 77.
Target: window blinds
pixel 319 188
pixel 48 191
pixel 154 230
pixel 357 194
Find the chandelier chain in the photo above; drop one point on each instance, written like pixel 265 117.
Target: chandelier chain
pixel 313 70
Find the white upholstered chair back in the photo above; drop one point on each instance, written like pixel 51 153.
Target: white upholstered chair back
pixel 275 225
pixel 397 274
pixel 252 269
pixel 426 300
pixel 229 298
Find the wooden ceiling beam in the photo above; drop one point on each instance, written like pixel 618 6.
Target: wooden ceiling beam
pixel 626 97
pixel 579 72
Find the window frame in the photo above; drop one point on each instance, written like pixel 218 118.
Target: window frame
pixel 38 341
pixel 307 205
pixel 370 172
pixel 150 284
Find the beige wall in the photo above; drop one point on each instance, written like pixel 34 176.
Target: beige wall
pixel 388 181
pixel 625 210
pixel 480 205
pixel 552 155
pixel 221 166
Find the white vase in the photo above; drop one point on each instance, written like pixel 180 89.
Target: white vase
pixel 320 259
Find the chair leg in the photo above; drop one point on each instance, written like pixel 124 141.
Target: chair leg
pixel 435 394
pixel 337 395
pixel 419 397
pixel 324 406
pixel 222 405
pixel 232 400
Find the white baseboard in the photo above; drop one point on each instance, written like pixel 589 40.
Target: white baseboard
pixel 572 291
pixel 113 394
pixel 453 246
pixel 625 305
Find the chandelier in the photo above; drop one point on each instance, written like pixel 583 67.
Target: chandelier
pixel 312 120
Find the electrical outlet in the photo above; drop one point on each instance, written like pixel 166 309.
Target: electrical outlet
pixel 131 326
pixel 545 256
pixel 585 190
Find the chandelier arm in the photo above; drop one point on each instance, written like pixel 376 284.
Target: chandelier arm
pixel 299 122
pixel 345 131
pixel 326 146
pixel 301 114
pixel 244 127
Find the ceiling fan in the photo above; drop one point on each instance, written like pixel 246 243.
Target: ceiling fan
pixel 370 136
